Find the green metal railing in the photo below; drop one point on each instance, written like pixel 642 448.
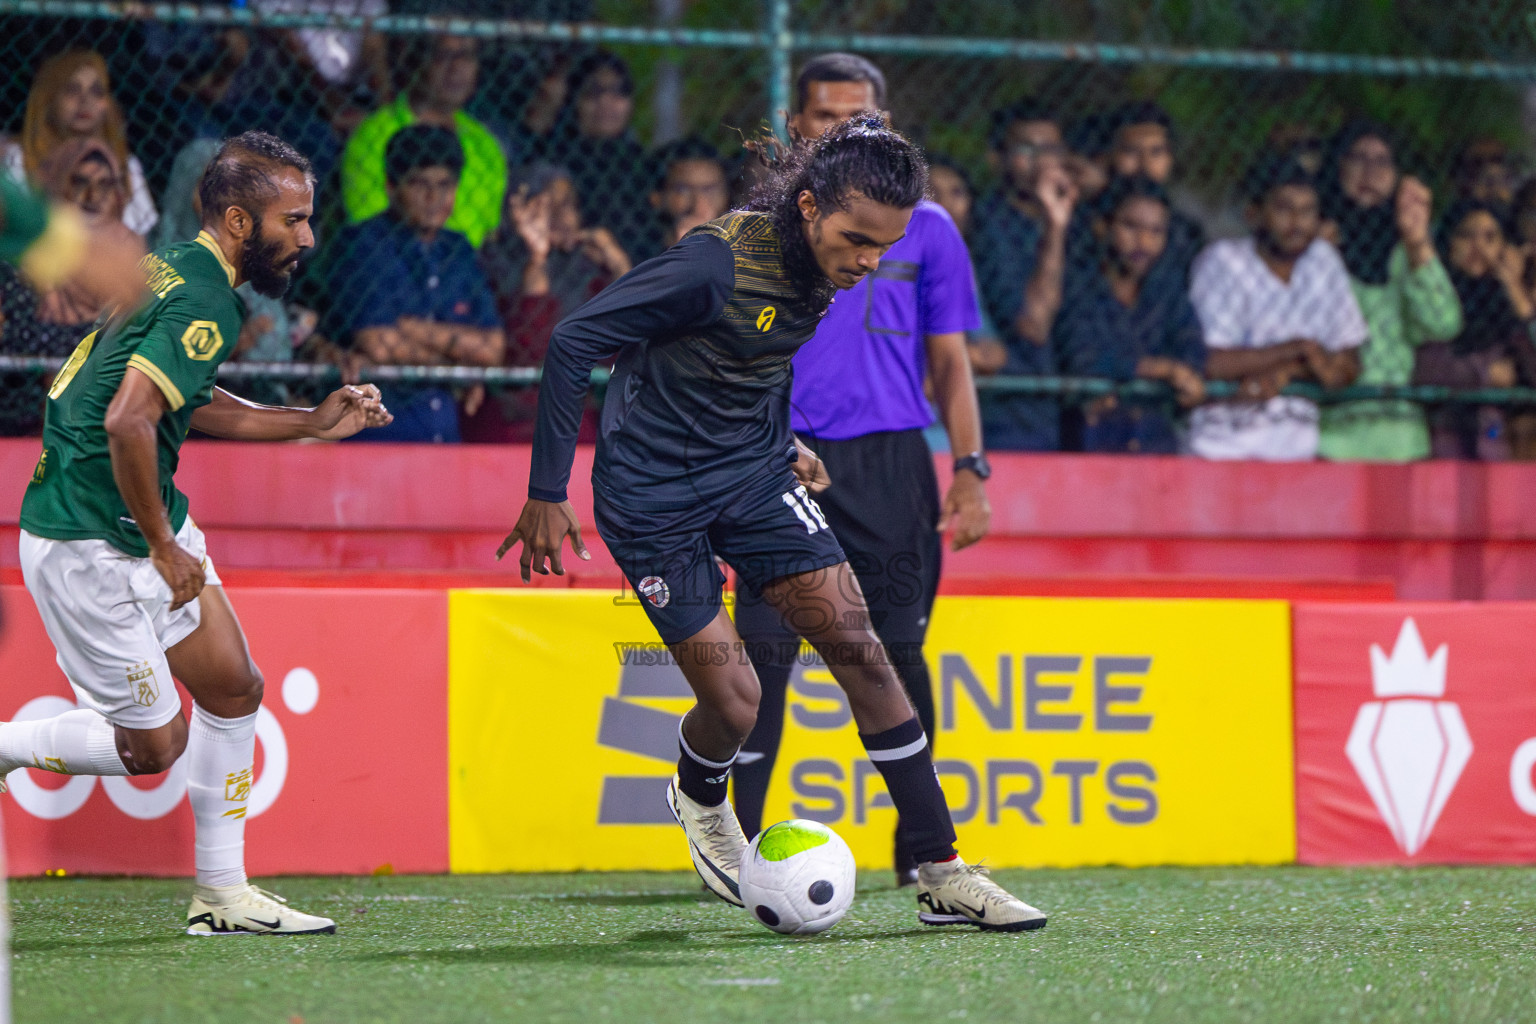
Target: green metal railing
pixel 1065 388
pixel 780 40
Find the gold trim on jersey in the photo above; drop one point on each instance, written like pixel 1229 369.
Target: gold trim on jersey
pixel 205 240
pixel 755 247
pixel 171 392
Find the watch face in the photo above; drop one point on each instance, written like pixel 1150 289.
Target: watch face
pixel 975 463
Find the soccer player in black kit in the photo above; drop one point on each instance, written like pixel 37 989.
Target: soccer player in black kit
pixel 695 460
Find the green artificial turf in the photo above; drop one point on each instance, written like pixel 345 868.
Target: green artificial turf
pixel 1179 945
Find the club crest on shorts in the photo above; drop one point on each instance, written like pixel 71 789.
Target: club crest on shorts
pixel 655 590
pixel 143 684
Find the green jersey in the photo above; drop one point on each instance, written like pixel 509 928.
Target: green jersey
pixel 177 339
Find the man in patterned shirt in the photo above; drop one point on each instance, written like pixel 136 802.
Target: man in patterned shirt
pixel 120 573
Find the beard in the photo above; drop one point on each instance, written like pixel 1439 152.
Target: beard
pixel 265 265
pixel 1269 242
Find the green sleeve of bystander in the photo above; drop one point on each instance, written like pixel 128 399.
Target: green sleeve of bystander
pixel 1431 308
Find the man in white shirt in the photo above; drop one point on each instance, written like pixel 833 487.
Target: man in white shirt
pixel 1276 307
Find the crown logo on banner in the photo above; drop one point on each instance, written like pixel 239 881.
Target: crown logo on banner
pixel 1408 748
pixel 1410 671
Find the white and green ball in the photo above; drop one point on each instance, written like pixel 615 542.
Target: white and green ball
pixel 797 877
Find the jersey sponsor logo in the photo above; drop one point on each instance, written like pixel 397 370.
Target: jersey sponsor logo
pixel 162 277
pixel 655 590
pixel 202 340
pixel 142 683
pixel 765 319
pixel 41 467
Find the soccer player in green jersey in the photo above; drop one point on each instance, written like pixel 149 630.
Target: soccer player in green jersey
pixel 120 573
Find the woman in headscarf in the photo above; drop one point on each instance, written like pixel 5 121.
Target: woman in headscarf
pixel 1494 348
pixel 71 99
pixel 83 173
pixel 593 138
pixel 1380 220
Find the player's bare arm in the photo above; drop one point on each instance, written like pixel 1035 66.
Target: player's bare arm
pixel 345 412
pixel 966 509
pixel 541 529
pixel 131 421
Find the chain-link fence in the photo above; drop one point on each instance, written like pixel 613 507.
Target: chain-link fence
pixel 591 132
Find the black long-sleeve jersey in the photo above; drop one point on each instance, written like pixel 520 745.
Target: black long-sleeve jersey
pixel 698 405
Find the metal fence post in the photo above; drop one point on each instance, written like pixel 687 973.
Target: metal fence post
pixel 779 43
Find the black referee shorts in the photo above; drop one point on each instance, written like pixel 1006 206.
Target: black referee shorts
pixel 884 505
pixel 669 557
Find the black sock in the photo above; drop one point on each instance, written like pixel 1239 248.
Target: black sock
pixel 902 756
pixel 919 685
pixel 702 780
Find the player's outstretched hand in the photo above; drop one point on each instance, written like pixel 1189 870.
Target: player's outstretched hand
pixel 967 510
pixel 542 529
pixel 349 409
pixel 810 470
pixel 182 572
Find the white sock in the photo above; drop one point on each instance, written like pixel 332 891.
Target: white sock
pixel 79 742
pixel 221 756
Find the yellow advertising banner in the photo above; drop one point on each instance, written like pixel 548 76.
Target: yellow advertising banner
pixel 1070 732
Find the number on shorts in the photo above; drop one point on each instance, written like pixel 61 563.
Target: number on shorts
pixel 76 360
pixel 806 509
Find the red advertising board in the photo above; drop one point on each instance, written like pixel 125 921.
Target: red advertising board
pixel 351 746
pixel 1415 733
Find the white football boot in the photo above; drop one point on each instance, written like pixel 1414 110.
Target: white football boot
pixel 247 910
pixel 955 892
pixel 714 841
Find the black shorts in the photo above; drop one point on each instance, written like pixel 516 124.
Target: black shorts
pixel 669 557
pixel 884 504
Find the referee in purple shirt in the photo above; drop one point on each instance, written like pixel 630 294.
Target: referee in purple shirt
pixel 858 401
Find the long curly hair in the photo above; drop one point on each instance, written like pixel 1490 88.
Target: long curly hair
pixel 860 157
pixel 39 137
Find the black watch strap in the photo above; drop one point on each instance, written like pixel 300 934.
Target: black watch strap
pixel 976 462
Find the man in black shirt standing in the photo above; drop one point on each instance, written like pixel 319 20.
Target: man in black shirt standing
pixel 696 460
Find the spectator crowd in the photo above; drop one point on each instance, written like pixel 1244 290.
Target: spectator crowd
pixel 458 232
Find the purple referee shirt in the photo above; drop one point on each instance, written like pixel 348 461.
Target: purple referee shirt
pixel 863 371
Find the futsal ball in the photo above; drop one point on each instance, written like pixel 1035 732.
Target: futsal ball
pixel 797 877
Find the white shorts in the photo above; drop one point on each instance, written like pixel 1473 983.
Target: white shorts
pixel 110 619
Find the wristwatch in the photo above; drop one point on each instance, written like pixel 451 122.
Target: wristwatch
pixel 976 462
